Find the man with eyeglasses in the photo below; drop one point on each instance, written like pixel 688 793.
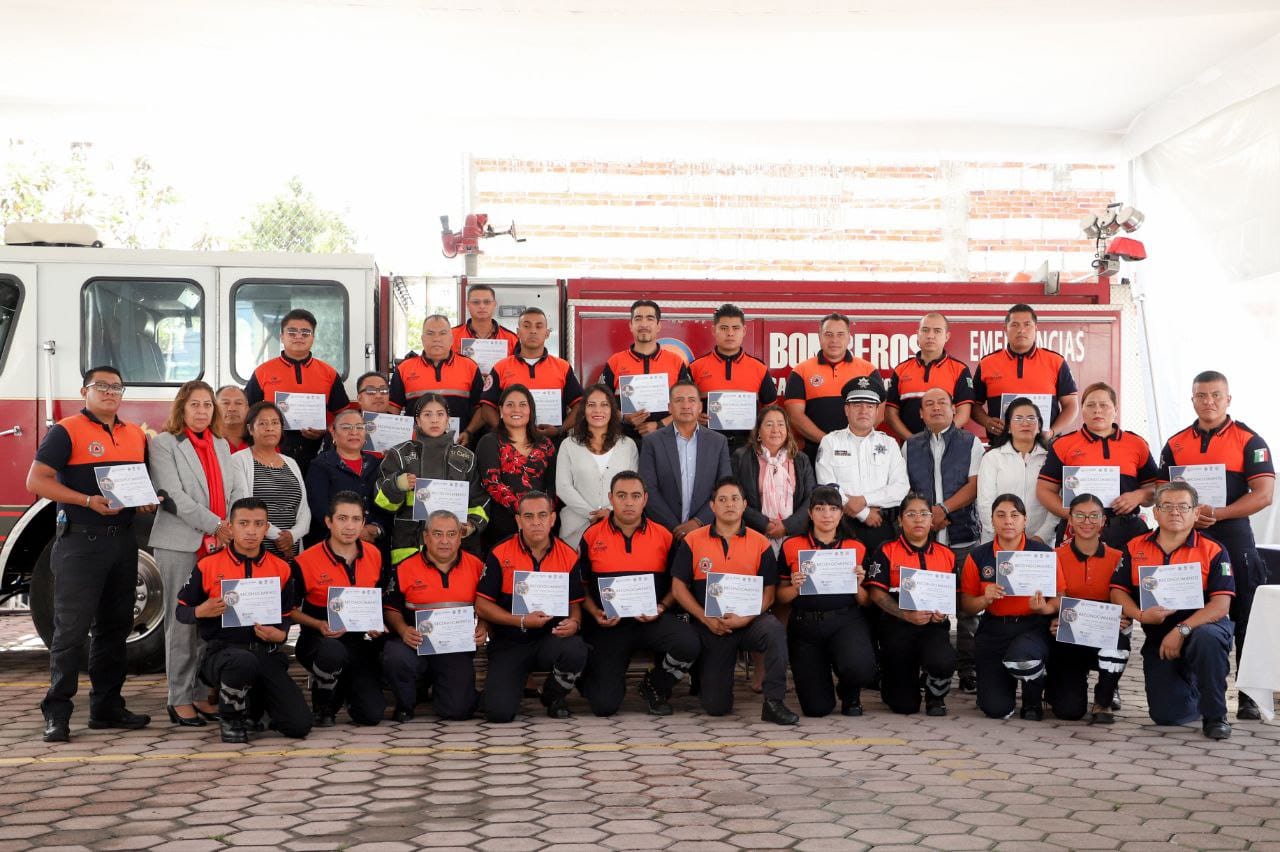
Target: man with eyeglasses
pixel 95 556
pixel 298 371
pixel 1249 477
pixel 373 393
pixel 1187 652
pixel 440 370
pixel 1023 368
pixel 482 303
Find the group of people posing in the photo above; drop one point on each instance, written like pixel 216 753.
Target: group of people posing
pixel 617 488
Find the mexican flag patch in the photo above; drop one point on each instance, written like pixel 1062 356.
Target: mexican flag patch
pixel 1260 456
pixel 1226 569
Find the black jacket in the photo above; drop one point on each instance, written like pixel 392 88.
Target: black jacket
pixel 329 474
pixel 746 469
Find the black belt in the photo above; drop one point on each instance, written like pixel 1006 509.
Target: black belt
pixel 98 529
pixel 816 614
pixel 1014 619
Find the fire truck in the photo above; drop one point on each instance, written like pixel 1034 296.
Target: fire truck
pixel 168 317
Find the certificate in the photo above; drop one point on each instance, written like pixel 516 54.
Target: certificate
pixel 1022 573
pixel 732 411
pixel 302 410
pixel 485 352
pixel 448 494
pixel 1209 481
pixel 628 596
pixel 734 594
pixel 649 392
pixel 126 485
pixel 253 600
pixel 549 409
pixel 920 590
pixel 355 608
pixel 828 572
pixel 384 431
pixel 1042 401
pixel 546 592
pixel 1178 586
pixel 1090 623
pixel 448 630
pixel 1102 481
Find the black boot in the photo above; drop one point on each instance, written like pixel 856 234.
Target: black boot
pixel 322 708
pixel 233 728
pixel 777 712
pixel 657 702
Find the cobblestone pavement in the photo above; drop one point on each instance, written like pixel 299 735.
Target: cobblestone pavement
pixel 631 782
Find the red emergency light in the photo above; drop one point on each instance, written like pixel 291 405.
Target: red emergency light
pixel 1127 248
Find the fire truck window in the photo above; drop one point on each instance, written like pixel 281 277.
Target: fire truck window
pixel 10 297
pixel 259 305
pixel 152 331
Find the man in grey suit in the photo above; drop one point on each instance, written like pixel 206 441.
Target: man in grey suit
pixel 681 463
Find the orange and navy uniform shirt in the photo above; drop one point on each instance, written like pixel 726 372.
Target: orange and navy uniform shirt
pixel 547 373
pixel 466 331
pixel 456 378
pixel 890 557
pixel 913 377
pixel 319 568
pixel 286 375
pixel 607 551
pixel 1234 445
pixel 1216 573
pixel 791 558
pixel 742 373
pixel 704 551
pixel 416 583
pixel 75 445
pixel 1088 577
pixel 1121 449
pixel 820 383
pixel 629 362
pixel 980 569
pixel 1037 370
pixel 205 582
pixel 498 583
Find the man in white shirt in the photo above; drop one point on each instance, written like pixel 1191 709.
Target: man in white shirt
pixel 865 465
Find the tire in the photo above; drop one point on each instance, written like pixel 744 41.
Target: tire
pixel 145 647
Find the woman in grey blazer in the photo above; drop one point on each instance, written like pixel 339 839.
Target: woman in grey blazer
pixel 184 458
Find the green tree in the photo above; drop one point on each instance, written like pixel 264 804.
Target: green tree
pixel 294 221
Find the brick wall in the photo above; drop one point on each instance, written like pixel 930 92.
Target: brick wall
pixel 941 220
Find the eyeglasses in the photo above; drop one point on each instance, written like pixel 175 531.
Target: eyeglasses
pixel 298 332
pixel 1024 418
pixel 1179 508
pixel 1081 517
pixel 377 391
pixel 917 515
pixel 103 387
pixel 351 427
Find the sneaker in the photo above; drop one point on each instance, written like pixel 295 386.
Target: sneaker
pixel 1217 729
pixel 775 711
pixel 122 718
pixel 657 705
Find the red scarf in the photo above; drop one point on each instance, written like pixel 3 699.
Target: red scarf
pixel 202 443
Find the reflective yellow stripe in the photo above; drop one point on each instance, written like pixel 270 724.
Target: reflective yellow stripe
pixel 400 554
pixel 382 501
pixel 479 512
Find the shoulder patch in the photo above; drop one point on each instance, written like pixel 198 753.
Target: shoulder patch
pixel 1226 569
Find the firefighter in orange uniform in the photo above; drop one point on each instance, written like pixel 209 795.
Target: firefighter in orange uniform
pixel 482 302
pixel 728 368
pixel 440 370
pixel 1023 368
pixel 931 367
pixel 645 356
pixel 539 371
pixel 815 389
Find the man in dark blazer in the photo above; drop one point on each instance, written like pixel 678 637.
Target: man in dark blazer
pixel 681 463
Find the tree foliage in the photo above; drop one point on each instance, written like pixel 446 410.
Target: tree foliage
pixel 294 221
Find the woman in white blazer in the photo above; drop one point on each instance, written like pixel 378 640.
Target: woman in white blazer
pixel 275 479
pixel 191 466
pixel 588 460
pixel 1012 467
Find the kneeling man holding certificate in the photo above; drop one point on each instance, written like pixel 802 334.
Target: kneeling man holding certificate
pixel 724 577
pixel 623 561
pixel 1016 581
pixel 240 597
pixel 1184 584
pixel 531 593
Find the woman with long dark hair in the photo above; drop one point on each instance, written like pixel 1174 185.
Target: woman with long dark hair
pixel 588 459
pixel 513 460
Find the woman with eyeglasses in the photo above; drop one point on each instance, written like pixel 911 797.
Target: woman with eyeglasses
pixel 1088 565
pixel 345 466
pixel 1100 443
pixel 275 479
pixel 1012 466
pixel 513 459
pixel 431 454
pixel 916 644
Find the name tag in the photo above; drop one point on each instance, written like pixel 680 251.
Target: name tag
pixel 842 453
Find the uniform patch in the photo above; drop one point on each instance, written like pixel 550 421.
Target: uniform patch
pixel 96 449
pixel 968 380
pixel 864 382
pixel 1260 456
pixel 879 450
pixel 704 564
pixel 1226 569
pixel 988 572
pixel 816 380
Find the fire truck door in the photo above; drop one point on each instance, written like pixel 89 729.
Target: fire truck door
pixel 20 356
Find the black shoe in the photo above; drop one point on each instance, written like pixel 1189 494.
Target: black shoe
pixel 1116 706
pixel 57 731
pixel 121 719
pixel 657 704
pixel 1033 712
pixel 1101 717
pixel 775 711
pixel 185 721
pixel 233 730
pixel 206 715
pixel 255 726
pixel 1248 711
pixel 968 683
pixel 851 708
pixel 402 714
pixel 324 719
pixel 557 709
pixel 1217 729
pixel 935 706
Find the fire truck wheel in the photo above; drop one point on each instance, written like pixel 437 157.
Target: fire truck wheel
pixel 146 642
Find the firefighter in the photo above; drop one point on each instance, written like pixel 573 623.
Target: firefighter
pixel 534 641
pixel 343 665
pixel 621 544
pixel 439 575
pixel 248 665
pixel 916 644
pixel 727 546
pixel 298 371
pixel 1023 368
pixel 644 356
pixel 815 389
pixel 826 633
pixel 538 370
pixel 727 367
pixel 482 303
pixel 1012 643
pixel 95 556
pixel 442 371
pixel 1215 438
pixel 931 367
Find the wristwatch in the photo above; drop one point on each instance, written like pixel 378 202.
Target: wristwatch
pixel 1184 630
